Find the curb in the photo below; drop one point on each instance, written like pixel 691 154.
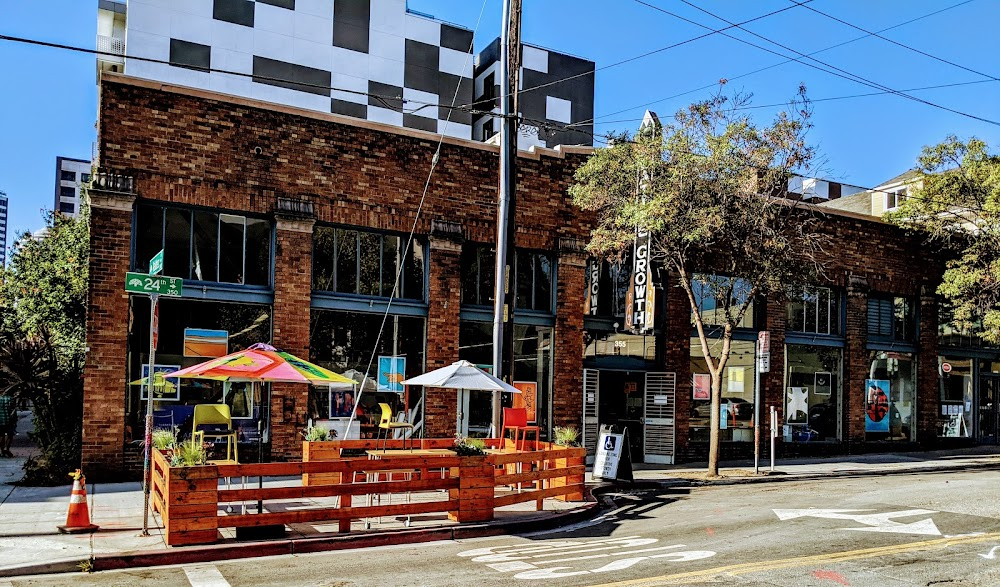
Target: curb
pixel 217 552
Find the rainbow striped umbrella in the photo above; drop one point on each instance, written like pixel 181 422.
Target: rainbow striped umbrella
pixel 261 363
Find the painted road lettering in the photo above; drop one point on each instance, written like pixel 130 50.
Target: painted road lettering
pixel 874 522
pixel 549 560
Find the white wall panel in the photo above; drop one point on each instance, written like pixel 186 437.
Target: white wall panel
pixel 558 109
pixel 313 28
pixel 149 19
pixel 194 29
pixel 202 8
pixel 384 115
pixel 141 44
pixel 388 16
pixel 272 46
pixel 387 71
pixel 386 45
pixel 453 129
pixel 349 82
pixel 231 84
pixel 422 98
pixel 423 30
pixel 323 8
pixel 349 62
pixel 232 36
pixel 535 59
pixel 311 54
pixel 456 62
pixel 235 61
pixel 273 19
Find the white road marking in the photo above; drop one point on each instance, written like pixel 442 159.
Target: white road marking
pixel 205 576
pixel 877 522
pixel 646 507
pixel 992 554
pixel 6 584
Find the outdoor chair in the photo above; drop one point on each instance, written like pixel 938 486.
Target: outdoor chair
pixel 215 415
pixel 390 426
pixel 516 419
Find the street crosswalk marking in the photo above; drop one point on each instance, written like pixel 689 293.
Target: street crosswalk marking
pixel 6 584
pixel 205 576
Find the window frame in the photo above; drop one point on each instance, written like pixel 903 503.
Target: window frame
pixel 833 307
pixel 898 196
pixel 400 245
pixel 890 302
pixel 476 249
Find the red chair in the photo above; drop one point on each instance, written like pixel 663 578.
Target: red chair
pixel 516 419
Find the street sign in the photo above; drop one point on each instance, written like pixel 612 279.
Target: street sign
pixel 149 284
pixel 763 342
pixel 946 367
pixel 764 363
pixel 156 263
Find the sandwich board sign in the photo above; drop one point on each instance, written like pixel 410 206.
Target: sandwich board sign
pixel 612 460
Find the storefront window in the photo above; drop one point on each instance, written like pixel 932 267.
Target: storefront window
pixel 956 388
pixel 954 333
pixel 710 293
pixel 533 278
pixel 345 342
pixel 890 397
pixel 534 281
pixel 203 245
pixel 816 311
pixel 891 319
pixel 478 267
pixel 234 327
pixel 611 279
pixel 618 344
pixel 532 373
pixel 737 392
pixel 366 263
pixel 812 393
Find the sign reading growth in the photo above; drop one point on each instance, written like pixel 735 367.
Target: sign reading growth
pixel 150 284
pixel 156 263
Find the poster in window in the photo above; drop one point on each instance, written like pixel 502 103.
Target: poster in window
pixel 240 399
pixel 737 380
pixel 527 399
pixel 797 405
pixel 341 402
pixel 702 387
pixel 876 405
pixel 201 342
pixel 391 373
pixel 164 389
pixel 823 383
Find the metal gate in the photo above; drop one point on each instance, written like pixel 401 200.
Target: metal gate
pixel 591 389
pixel 658 415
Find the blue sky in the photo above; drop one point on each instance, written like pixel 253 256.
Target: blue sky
pixel 49 101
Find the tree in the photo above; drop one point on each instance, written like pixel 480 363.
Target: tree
pixel 43 308
pixel 955 202
pixel 708 188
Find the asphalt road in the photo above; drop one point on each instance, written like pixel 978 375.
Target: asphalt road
pixel 936 529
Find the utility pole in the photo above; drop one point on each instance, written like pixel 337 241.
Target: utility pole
pixel 503 308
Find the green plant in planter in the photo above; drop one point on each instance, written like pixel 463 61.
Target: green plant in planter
pixel 318 434
pixel 567 436
pixel 469 447
pixel 189 454
pixel 164 439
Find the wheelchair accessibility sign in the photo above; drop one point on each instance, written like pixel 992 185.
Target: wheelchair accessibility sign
pixel 609 462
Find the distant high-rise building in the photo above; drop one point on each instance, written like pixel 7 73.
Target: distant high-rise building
pixel 3 228
pixel 70 174
pixel 371 59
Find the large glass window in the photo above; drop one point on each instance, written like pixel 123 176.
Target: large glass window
pixel 203 245
pixel 534 281
pixel 890 415
pixel 612 285
pixel 533 278
pixel 241 325
pixel 478 272
pixel 954 417
pixel 366 263
pixel 891 318
pixel 737 392
pixel 345 342
pixel 816 311
pixel 710 293
pixel 812 393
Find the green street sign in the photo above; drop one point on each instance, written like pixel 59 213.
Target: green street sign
pixel 149 284
pixel 156 263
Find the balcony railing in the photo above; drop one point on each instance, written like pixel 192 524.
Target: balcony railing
pixel 110 46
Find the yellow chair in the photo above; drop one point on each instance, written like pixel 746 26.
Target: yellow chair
pixel 214 415
pixel 386 423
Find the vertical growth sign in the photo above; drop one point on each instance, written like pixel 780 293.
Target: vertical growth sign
pixel 639 301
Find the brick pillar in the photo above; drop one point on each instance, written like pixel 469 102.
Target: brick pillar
pixel 675 343
pixel 107 334
pixel 772 384
pixel 444 301
pixel 928 398
pixel 567 377
pixel 290 320
pixel 856 363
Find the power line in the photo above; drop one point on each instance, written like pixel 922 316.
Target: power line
pixel 898 44
pixel 384 100
pixel 843 73
pixel 778 64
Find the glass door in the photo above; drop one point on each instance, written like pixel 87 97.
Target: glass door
pixel 989 394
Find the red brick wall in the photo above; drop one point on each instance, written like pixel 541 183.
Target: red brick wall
pixel 445 298
pixel 107 332
pixel 567 380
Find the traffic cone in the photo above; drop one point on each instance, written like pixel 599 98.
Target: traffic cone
pixel 78 518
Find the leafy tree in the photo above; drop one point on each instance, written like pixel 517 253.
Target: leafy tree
pixel 43 306
pixel 708 187
pixel 956 202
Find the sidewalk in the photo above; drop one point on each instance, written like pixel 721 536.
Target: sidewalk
pixel 30 543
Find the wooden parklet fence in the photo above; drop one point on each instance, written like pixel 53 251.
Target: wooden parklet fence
pixel 193 506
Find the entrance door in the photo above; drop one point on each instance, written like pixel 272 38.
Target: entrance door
pixel 620 404
pixel 658 435
pixel 591 389
pixel 989 396
pixel 475 413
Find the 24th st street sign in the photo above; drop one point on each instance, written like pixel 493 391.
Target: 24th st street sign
pixel 149 284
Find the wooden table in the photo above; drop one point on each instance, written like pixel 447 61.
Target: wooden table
pixel 376 455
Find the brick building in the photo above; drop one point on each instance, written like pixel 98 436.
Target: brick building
pixel 289 225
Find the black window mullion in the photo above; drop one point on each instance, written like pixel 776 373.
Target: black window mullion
pixel 333 274
pixel 357 262
pixel 191 246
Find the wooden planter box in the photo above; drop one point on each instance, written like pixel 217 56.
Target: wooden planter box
pixel 327 450
pixel 187 500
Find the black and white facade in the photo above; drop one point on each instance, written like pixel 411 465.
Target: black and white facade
pixel 3 229
pixel 70 174
pixel 568 100
pixel 387 63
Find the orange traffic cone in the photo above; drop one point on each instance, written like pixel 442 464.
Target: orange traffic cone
pixel 78 518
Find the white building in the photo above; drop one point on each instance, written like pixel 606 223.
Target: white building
pixel 3 229
pixel 70 174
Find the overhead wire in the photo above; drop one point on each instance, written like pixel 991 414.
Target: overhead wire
pixel 772 66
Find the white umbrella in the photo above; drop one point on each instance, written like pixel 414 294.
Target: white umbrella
pixel 461 375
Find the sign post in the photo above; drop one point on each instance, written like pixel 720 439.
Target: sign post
pixel 762 365
pixel 154 287
pixel 774 434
